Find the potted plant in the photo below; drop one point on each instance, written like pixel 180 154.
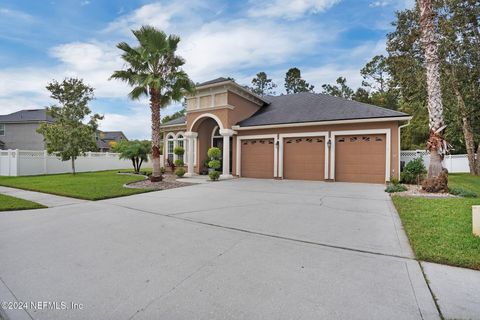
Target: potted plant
pixel 205 167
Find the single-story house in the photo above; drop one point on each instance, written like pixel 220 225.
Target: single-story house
pixel 305 136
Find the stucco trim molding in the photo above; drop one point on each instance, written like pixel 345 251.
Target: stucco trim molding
pixel 219 107
pixel 298 135
pixel 318 123
pixel 388 156
pixel 262 136
pixel 207 115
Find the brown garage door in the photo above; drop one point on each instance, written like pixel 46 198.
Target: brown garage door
pixel 360 158
pixel 257 158
pixel 304 158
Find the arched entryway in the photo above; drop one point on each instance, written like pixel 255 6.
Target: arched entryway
pixel 208 131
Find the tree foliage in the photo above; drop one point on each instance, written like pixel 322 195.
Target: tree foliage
pixel 154 70
pixel 135 150
pixel 294 82
pixel 457 26
pixel 68 136
pixel 262 85
pixel 174 116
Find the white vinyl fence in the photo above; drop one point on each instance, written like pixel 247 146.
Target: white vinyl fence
pixel 34 162
pixel 455 163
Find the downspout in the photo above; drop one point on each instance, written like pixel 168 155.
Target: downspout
pixel 399 147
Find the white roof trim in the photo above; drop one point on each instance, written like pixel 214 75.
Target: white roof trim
pixel 308 124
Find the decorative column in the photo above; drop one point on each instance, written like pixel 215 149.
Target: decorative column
pixel 190 136
pixel 226 134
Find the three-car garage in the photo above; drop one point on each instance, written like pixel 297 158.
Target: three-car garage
pixel 345 156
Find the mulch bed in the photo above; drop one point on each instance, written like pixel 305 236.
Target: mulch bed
pixel 416 191
pixel 169 182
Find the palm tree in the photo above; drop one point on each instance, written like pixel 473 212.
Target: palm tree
pixel 154 70
pixel 436 144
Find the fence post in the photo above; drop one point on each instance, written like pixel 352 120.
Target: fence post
pixel 45 159
pixel 9 157
pixel 89 154
pixel 17 166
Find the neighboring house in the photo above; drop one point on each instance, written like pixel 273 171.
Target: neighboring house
pixel 299 136
pixel 18 130
pixel 106 139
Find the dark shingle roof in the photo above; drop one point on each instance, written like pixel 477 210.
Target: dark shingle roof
pixel 313 107
pixel 112 135
pixel 35 115
pixel 217 80
pixel 180 120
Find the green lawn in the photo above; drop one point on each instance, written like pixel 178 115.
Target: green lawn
pixel 87 185
pixel 440 230
pixel 8 203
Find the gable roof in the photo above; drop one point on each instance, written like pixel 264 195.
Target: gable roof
pixel 314 107
pixel 34 115
pixel 180 120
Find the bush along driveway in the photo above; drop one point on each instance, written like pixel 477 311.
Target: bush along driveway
pixel 88 185
pixel 440 229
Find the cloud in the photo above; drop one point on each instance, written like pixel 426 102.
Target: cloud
pixel 154 14
pixel 222 48
pixel 15 14
pixel 329 74
pixel 290 9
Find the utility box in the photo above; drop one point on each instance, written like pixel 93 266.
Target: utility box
pixel 476 220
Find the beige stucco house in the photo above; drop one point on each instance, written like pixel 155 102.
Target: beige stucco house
pixel 303 136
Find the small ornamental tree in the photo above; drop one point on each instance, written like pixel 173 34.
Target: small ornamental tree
pixel 69 136
pixel 214 163
pixel 179 151
pixel 135 150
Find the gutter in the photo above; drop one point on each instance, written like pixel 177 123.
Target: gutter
pixel 307 124
pixel 399 142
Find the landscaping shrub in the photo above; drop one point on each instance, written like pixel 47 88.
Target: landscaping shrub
pixel 462 193
pixel 180 172
pixel 214 164
pixel 394 181
pixel 162 170
pixel 413 172
pixel 179 151
pixel 214 175
pixel 214 153
pixel 179 163
pixel 391 188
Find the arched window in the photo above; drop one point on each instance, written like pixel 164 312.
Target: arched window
pixel 180 142
pixel 170 147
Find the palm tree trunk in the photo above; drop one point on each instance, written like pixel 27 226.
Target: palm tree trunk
pixel 155 108
pixel 436 143
pixel 477 164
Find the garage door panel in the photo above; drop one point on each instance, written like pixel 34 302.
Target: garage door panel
pixel 257 158
pixel 304 158
pixel 360 158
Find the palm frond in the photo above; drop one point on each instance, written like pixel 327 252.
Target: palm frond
pixel 138 92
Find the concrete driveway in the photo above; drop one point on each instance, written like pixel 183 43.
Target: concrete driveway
pixel 239 249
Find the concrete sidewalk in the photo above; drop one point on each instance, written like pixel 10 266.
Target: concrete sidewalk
pixel 48 200
pixel 457 290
